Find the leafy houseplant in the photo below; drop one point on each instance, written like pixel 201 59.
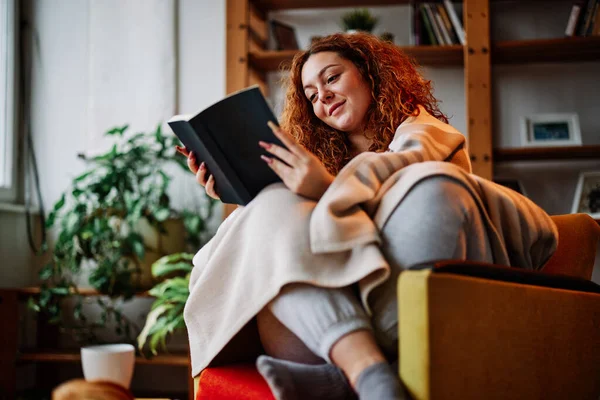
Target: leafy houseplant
pixel 100 221
pixel 166 315
pixel 359 20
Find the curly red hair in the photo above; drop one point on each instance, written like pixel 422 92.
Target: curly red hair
pixel 397 89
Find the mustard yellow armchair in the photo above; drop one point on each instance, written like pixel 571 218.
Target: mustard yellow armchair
pixel 475 331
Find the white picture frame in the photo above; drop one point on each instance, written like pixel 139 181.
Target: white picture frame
pixel 588 185
pixel 547 130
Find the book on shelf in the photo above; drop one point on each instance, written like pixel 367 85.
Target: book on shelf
pixel 447 25
pixel 436 24
pixel 456 21
pixel 573 19
pixel 225 137
pixel 587 17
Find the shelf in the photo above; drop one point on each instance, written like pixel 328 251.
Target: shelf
pixel 34 290
pixel 589 152
pixel 563 50
pixel 53 356
pixel 272 60
pixel 271 5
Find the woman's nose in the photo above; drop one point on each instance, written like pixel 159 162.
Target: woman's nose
pixel 325 95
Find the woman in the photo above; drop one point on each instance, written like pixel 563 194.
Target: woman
pixel 375 181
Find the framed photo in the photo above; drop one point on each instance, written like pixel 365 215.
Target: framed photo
pixel 284 35
pixel 513 184
pixel 543 130
pixel 587 194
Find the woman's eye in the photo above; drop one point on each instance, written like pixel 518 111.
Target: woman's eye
pixel 312 97
pixel 332 78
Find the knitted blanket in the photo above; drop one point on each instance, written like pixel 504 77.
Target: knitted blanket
pixel 281 238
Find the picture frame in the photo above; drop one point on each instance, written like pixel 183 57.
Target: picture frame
pixel 511 183
pixel 284 35
pixel 546 130
pixel 587 194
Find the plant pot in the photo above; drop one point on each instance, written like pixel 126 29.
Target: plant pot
pixel 159 245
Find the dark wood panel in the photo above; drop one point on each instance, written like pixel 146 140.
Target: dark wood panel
pixel 269 5
pixel 547 153
pixel 272 60
pixel 563 50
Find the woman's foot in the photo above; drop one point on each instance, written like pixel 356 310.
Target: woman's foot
pixel 290 381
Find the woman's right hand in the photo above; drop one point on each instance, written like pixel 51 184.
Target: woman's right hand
pixel 203 177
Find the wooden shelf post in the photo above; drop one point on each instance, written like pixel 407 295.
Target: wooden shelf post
pixel 478 85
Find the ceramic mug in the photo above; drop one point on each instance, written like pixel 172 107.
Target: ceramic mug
pixel 108 362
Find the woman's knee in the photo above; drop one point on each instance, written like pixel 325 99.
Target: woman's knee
pixel 279 342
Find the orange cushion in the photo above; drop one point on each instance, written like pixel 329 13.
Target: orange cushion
pixel 234 382
pixel 578 236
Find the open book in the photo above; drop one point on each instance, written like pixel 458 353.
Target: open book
pixel 225 136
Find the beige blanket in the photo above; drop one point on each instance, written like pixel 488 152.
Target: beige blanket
pixel 280 238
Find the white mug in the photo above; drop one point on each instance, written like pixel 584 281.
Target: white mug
pixel 108 362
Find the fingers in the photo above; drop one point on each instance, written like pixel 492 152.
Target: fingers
pixel 287 157
pixel 287 140
pixel 192 163
pixel 201 177
pixel 210 188
pixel 280 168
pixel 182 150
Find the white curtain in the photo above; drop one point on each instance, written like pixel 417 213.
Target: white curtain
pixel 132 66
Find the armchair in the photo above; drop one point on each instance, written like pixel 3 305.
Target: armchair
pixel 472 331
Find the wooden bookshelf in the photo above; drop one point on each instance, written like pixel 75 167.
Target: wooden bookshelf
pixel 272 5
pixel 272 60
pixel 588 152
pixel 55 356
pixel 564 50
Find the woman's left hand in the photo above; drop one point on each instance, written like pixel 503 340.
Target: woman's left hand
pixel 301 171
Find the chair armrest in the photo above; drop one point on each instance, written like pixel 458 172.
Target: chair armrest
pixel 511 334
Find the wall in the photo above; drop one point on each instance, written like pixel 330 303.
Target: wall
pixel 60 119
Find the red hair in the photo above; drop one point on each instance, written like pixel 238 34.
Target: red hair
pixel 397 89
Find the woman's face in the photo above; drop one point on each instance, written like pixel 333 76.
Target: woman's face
pixel 339 95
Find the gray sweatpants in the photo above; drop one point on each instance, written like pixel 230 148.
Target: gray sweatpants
pixel 438 219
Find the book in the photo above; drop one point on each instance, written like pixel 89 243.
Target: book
pixel 458 28
pixel 225 137
pixel 439 38
pixel 431 39
pixel 448 25
pixel 573 18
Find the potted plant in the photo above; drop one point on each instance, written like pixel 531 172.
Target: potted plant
pixel 166 314
pixel 359 20
pixel 112 220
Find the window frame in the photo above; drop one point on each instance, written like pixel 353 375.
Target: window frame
pixel 9 127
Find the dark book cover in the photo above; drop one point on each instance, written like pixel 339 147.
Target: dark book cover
pixel 225 136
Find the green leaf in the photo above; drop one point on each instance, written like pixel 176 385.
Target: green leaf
pixel 32 305
pixel 151 323
pixel 117 131
pixel 160 269
pixel 46 272
pixel 83 176
pixel 162 214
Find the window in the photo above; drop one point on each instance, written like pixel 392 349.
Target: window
pixel 8 93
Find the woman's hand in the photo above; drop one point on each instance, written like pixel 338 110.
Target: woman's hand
pixel 203 177
pixel 301 171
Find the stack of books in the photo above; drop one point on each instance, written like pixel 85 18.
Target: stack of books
pixel 584 19
pixel 437 24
